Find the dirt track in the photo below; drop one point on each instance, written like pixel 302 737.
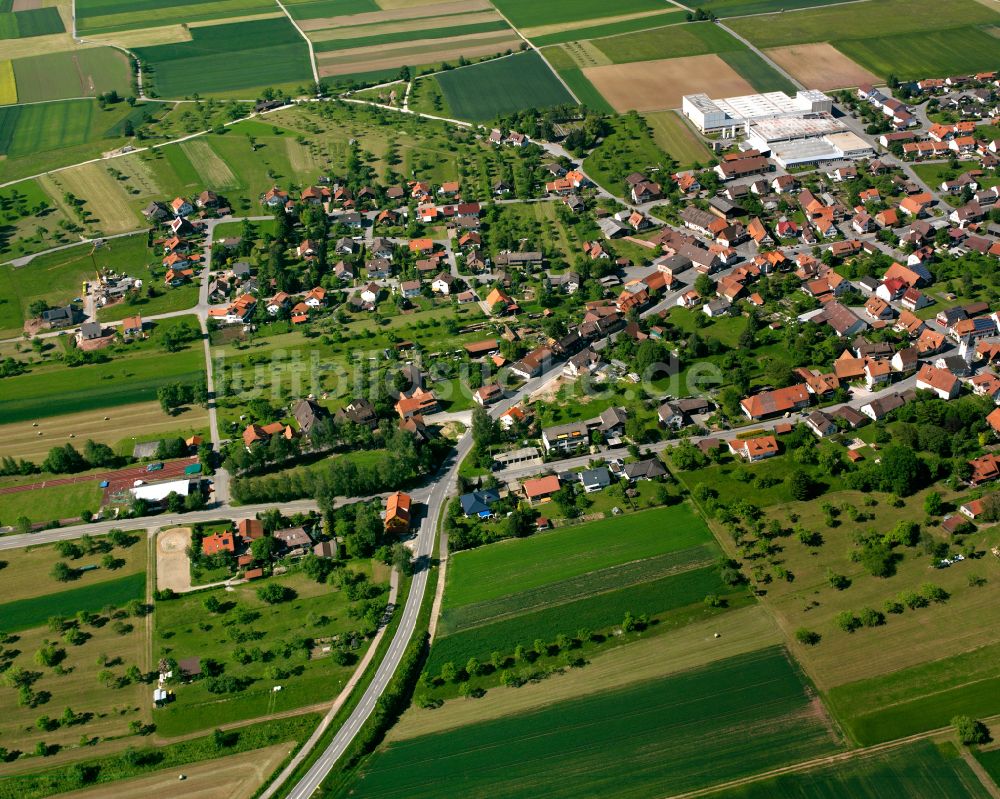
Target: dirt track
pixel 172 568
pixel 821 66
pixel 660 85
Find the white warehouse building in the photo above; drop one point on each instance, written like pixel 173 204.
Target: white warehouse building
pixel 738 112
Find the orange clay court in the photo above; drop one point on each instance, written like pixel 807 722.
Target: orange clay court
pixel 660 85
pixel 821 66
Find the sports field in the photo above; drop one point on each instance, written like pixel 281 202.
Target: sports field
pixel 677 139
pixel 483 91
pixel 26 613
pixel 230 58
pixel 81 73
pixel 921 770
pixel 919 698
pixel 105 16
pixel 521 564
pixel 683 732
pixel 51 504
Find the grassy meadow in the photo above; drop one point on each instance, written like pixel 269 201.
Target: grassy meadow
pixel 673 135
pixel 528 13
pixel 80 73
pixel 609 28
pixel 108 16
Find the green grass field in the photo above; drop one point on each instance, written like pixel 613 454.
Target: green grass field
pixel 671 42
pixel 521 564
pixel 727 720
pixel 628 148
pixel 35 22
pixel 230 58
pixel 184 629
pixel 595 612
pixel 81 73
pixel 611 28
pixel 920 770
pixel 107 16
pixel 920 698
pixel 484 91
pixel 23 614
pixel 761 75
pixel 863 20
pixel 911 56
pixel 675 138
pixel 991 762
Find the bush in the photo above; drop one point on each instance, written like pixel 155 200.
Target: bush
pixel 970 730
pixel 807 637
pixel 871 617
pixel 847 621
pixel 275 593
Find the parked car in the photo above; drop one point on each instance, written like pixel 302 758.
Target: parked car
pixel 154 467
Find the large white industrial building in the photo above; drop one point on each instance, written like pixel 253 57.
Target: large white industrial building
pixel 791 130
pixel 738 112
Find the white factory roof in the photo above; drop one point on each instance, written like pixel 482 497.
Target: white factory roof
pixel 848 142
pixel 771 130
pixel 159 491
pixel 751 106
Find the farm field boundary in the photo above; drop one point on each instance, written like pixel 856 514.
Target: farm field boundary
pixel 24 614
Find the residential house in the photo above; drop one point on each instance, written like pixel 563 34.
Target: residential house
pixel 397 513
pixel 941 381
pixel 540 489
pixel 755 449
pixel 775 402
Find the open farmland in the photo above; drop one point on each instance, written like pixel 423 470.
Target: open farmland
pixel 910 56
pixel 236 58
pixel 821 66
pixel 81 73
pixel 739 8
pixel 23 614
pixel 520 564
pixel 609 26
pixel 184 629
pixel 660 85
pixel 675 599
pixel 55 390
pixel 921 770
pixel 29 23
pixel 104 199
pixel 108 16
pixel 48 126
pixel 676 138
pixel 483 91
pixel 725 720
pixel 698 38
pixel 919 698
pixel 8 85
pixel 532 14
pixel 652 655
pixel 863 20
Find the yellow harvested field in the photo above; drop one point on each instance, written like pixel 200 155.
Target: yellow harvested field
pixel 426 23
pixel 416 55
pixel 659 85
pixel 821 66
pixel 234 777
pixel 8 85
pixel 740 631
pixel 211 167
pixel 106 199
pixel 576 24
pixel 21 440
pixel 145 37
pixel 206 23
pixel 40 45
pixel 395 14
